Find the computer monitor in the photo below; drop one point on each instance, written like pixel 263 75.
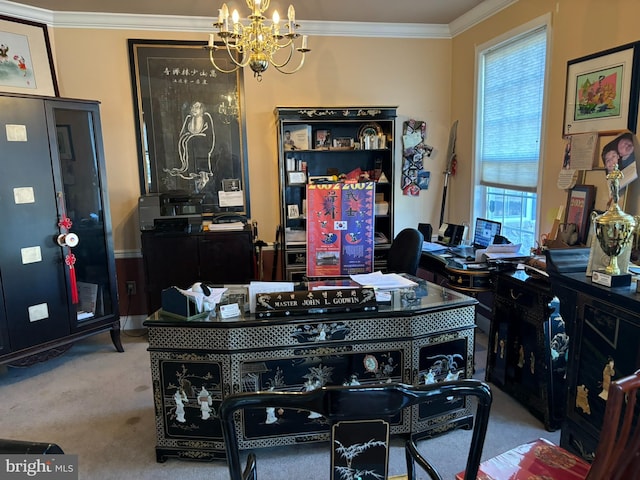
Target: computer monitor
pixel 484 232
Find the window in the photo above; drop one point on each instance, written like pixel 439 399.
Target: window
pixel 509 123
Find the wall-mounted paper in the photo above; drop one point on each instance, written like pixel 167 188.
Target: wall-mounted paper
pixel 38 312
pixel 23 195
pixel 16 133
pixel 31 255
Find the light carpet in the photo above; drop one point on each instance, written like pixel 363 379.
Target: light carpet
pixel 98 404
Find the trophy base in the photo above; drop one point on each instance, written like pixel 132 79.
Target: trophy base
pixel 602 278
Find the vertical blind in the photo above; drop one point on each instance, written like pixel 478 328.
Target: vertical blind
pixel 512 91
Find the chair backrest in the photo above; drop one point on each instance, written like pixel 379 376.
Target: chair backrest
pixel 618 452
pixel 359 403
pixel 405 251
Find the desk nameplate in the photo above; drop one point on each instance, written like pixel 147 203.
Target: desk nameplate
pixel 316 301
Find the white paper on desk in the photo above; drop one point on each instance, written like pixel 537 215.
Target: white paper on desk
pixel 383 281
pixel 508 250
pixel 432 247
pixel 231 199
pixel 266 287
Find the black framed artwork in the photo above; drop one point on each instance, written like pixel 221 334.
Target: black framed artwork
pixel 602 91
pixel 26 63
pixel 190 124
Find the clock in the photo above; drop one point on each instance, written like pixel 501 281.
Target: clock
pixel 370 363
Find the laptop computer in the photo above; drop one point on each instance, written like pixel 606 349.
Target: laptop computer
pixel 483 234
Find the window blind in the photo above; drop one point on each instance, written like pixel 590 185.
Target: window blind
pixel 511 120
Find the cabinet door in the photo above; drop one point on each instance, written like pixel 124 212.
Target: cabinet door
pixel 81 191
pixel 226 257
pixel 605 349
pixel 31 262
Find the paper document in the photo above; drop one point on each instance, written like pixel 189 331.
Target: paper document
pixel 266 287
pixel 432 247
pixel 383 281
pixel 493 252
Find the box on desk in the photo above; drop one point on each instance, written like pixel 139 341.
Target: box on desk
pixel 176 304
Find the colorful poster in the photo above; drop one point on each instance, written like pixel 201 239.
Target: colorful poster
pixel 340 229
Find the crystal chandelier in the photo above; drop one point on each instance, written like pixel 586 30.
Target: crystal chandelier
pixel 256 43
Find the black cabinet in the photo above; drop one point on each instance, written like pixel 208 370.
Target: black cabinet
pixel 333 143
pixel 528 345
pixel 604 325
pixel 181 259
pixel 57 268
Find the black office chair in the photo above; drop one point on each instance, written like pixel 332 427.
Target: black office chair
pixel 359 418
pixel 405 251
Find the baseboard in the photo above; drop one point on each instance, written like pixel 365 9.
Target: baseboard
pixel 132 322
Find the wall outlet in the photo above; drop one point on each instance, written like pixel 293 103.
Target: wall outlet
pixel 131 287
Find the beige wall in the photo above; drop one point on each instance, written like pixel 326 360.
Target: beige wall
pixel 431 80
pixel 579 28
pixel 412 74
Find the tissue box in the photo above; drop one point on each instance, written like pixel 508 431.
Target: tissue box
pixel 175 304
pixel 382 208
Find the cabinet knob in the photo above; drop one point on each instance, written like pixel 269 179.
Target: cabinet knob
pixel 68 240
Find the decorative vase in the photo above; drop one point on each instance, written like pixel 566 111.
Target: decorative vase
pixel 613 228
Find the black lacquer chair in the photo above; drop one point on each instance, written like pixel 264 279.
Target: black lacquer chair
pixel 405 251
pixel 358 409
pixel 21 447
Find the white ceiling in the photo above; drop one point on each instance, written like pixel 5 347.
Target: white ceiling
pixel 441 12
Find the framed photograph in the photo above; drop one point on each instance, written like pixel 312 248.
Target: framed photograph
pixel 65 145
pixel 602 91
pixel 293 211
pixel 323 139
pixel 297 178
pixel 580 203
pixel 190 122
pixel 345 143
pixel 27 64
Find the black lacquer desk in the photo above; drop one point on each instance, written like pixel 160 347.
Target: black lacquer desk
pixel 424 334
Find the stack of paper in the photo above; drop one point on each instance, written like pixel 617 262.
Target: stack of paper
pixel 383 281
pixel 217 227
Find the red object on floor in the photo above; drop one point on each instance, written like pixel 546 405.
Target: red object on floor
pixel 538 459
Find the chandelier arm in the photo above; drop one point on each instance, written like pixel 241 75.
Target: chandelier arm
pixel 219 68
pixel 292 71
pixel 289 57
pixel 244 61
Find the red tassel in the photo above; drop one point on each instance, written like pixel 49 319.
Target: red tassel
pixel 70 260
pixel 74 285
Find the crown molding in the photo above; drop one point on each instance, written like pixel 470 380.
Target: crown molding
pixel 120 21
pixel 483 11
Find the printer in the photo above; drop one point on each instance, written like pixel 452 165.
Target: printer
pixel 172 211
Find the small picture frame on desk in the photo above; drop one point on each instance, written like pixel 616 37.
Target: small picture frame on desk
pixel 580 203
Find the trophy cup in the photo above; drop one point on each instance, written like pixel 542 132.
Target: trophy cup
pixel 614 230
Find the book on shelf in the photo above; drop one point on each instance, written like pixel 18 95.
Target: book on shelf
pixel 297 137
